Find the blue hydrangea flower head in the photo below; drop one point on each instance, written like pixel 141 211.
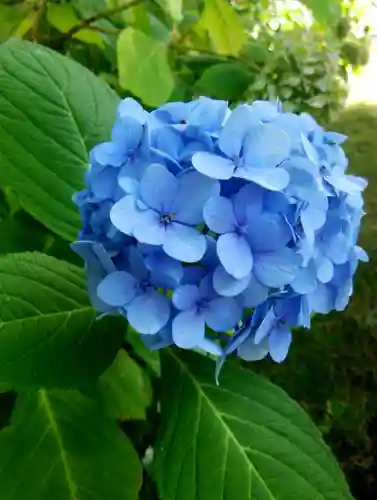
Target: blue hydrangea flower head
pixel 219 229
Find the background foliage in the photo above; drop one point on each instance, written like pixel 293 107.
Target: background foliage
pixel 157 50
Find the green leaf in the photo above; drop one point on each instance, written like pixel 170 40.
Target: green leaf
pixel 124 390
pixel 325 11
pixel 49 335
pixel 52 110
pixel 63 17
pixel 173 8
pixel 224 81
pixel 224 27
pixel 318 101
pixel 22 233
pixel 61 446
pixel 242 439
pixel 11 17
pixel 143 67
pixel 7 401
pixel 89 8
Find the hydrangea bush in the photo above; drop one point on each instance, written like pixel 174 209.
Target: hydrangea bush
pixel 202 228
pixel 219 229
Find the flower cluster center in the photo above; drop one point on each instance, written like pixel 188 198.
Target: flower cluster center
pixel 166 218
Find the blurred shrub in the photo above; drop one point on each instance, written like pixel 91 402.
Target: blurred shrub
pixel 301 52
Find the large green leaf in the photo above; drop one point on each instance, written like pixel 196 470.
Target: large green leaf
pixel 225 81
pixel 52 110
pixel 49 335
pixel 60 446
pixel 224 27
pixel 124 390
pixel 143 67
pixel 242 439
pixel 22 233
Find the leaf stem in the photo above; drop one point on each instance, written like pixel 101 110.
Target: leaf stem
pixel 36 28
pixel 86 23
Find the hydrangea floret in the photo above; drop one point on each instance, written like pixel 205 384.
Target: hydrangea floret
pixel 219 229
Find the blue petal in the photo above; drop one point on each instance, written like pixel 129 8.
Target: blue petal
pixel 306 280
pixel 149 228
pixel 193 192
pixel 226 285
pixel 334 138
pixel 310 150
pixel 313 217
pixel 168 140
pixel 213 166
pixel 208 114
pixel 210 258
pixel 343 295
pixel 125 215
pixel 108 153
pixel 325 269
pixel 137 265
pixel 361 254
pixel 149 312
pixel 249 351
pixel 338 249
pixel 235 254
pixel 276 269
pixel 322 299
pixel 266 146
pixel 105 183
pixel 127 133
pixel 218 215
pixel 223 314
pixel 188 329
pixel 254 295
pixel 165 271
pixel 117 288
pixel 266 326
pixel 184 243
pixel 192 275
pixel 130 175
pixel 275 179
pixel 268 232
pixel 130 108
pixel 248 202
pixel 234 131
pixel 94 254
pixel 206 289
pixel 158 187
pixel 185 297
pixel 210 347
pixel 279 342
pixel 238 338
pixel 265 111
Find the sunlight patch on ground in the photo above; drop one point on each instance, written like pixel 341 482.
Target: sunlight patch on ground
pixel 364 86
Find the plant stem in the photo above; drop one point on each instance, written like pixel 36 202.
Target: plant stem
pixel 86 23
pixel 36 28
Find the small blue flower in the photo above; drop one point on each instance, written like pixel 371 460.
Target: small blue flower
pixel 249 150
pixel 127 136
pixel 251 239
pixel 167 212
pixel 136 291
pixel 200 306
